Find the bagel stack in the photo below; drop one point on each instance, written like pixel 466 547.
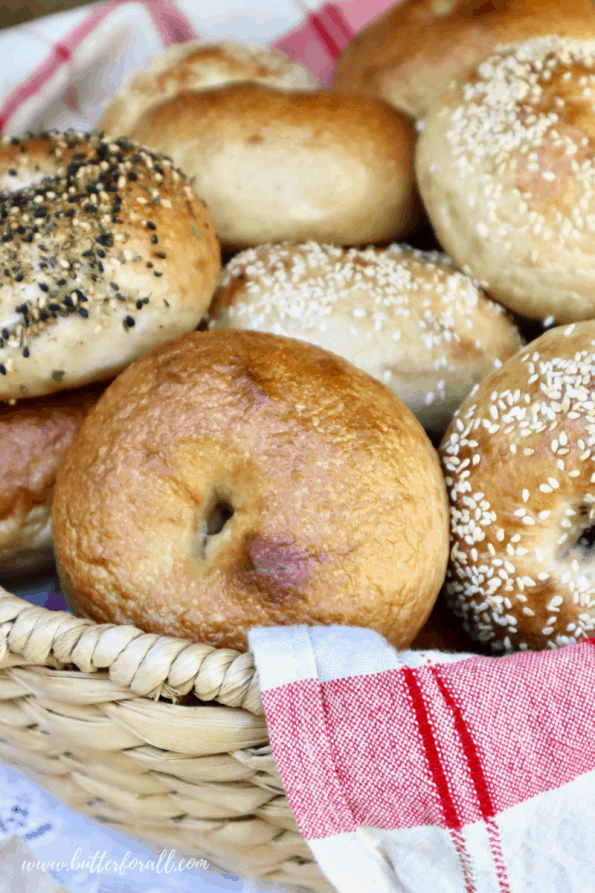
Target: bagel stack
pixel 221 439
pixel 273 157
pixel 106 252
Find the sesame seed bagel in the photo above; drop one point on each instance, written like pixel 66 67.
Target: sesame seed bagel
pixel 505 169
pixel 199 65
pixel 275 165
pixel 520 467
pixel 34 437
pixel 404 316
pixel 234 479
pixel 100 263
pixel 409 54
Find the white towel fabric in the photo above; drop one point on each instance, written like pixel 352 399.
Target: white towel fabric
pixel 430 772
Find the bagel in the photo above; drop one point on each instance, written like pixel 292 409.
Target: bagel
pixel 406 317
pixel 111 256
pixel 274 165
pixel 199 65
pixel 412 51
pixel 34 438
pixel 505 169
pixel 233 479
pixel 519 465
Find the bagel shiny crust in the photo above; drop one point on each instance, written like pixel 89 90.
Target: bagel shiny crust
pixel 112 256
pixel 199 65
pixel 505 170
pixel 34 437
pixel 519 462
pixel 275 165
pixel 234 479
pixel 406 317
pixel 410 53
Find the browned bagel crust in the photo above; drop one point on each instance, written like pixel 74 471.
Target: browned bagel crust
pixel 339 506
pixel 291 164
pixel 410 52
pixel 199 65
pixel 34 437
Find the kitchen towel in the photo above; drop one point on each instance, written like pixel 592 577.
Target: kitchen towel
pixel 419 772
pixel 63 78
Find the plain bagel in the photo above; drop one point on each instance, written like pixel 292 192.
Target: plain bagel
pixel 199 65
pixel 232 479
pixel 100 263
pixel 274 165
pixel 413 50
pixel 409 318
pixel 34 437
pixel 519 463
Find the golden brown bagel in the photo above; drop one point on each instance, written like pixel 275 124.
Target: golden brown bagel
pixel 112 256
pixel 34 437
pixel 410 53
pixel 519 464
pixel 199 65
pixel 234 479
pixel 505 167
pixel 287 164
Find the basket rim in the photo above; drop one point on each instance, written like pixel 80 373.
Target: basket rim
pixel 146 664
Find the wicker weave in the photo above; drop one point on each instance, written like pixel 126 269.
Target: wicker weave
pixel 113 722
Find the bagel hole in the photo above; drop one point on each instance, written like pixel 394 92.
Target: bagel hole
pixel 218 512
pixel 218 516
pixel 586 540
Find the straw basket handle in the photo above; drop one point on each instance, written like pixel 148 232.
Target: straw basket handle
pixel 149 665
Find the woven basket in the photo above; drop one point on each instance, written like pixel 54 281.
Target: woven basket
pixel 160 739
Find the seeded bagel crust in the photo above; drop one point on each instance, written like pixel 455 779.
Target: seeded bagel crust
pixel 108 258
pixel 406 317
pixel 519 463
pixel 505 169
pixel 291 164
pixel 233 479
pixel 412 51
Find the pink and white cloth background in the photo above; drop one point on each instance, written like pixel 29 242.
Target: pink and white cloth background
pixel 70 81
pixel 412 772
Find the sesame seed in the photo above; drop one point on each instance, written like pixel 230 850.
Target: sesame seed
pixel 56 235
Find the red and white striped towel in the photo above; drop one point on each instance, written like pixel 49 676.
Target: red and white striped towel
pixel 434 773
pixel 68 85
